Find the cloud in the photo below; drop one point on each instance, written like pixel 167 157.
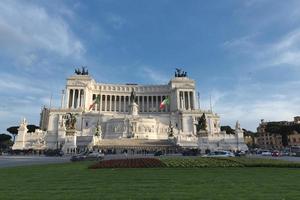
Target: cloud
pixel 153 75
pixel 27 30
pixel 116 21
pixel 15 84
pixel 249 101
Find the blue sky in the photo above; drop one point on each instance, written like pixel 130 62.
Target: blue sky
pixel 245 54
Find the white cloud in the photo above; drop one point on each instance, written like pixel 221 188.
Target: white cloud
pixel 153 75
pixel 249 102
pixel 27 29
pixel 15 84
pixel 116 21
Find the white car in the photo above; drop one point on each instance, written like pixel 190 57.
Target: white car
pixel 266 153
pixel 88 156
pixel 219 154
pixel 95 156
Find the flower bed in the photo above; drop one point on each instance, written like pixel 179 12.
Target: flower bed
pixel 227 162
pixel 129 163
pixel 260 162
pixel 195 162
pixel 199 162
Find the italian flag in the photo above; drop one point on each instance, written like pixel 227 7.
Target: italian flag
pixel 97 100
pixel 165 102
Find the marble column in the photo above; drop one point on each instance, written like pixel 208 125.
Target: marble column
pixel 143 104
pixel 105 103
pixel 68 99
pixel 189 100
pixel 124 104
pixel 115 103
pixel 73 98
pixel 148 104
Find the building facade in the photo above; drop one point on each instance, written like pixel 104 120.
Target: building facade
pixel 267 140
pixel 129 116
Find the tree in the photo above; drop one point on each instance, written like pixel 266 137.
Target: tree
pixel 5 141
pixel 13 130
pixel 228 129
pixel 32 127
pixel 4 137
pixel 252 135
pixel 284 129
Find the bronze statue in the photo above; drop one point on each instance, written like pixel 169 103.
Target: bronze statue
pixel 83 71
pixel 70 121
pixel 201 126
pixel 170 130
pixel 180 73
pixel 133 97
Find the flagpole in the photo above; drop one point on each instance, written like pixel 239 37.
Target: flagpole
pixel 50 103
pixel 199 100
pixel 99 107
pixel 99 113
pixel 210 103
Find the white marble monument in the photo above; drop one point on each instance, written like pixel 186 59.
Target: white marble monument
pixel 129 114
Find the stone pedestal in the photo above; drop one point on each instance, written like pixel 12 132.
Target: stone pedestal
pixel 133 109
pixel 70 144
pixel 70 132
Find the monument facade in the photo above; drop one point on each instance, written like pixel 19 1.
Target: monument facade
pixel 130 116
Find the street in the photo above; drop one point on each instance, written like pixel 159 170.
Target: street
pixel 12 161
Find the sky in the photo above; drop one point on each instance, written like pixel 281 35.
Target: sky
pixel 245 54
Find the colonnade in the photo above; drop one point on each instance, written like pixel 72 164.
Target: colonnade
pixel 120 103
pixel 186 100
pixel 76 98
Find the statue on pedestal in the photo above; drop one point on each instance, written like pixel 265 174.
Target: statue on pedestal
pixel 133 96
pixel 238 126
pixel 83 71
pixel 70 121
pixel 133 107
pixel 201 126
pixel 98 130
pixel 170 130
pixel 180 73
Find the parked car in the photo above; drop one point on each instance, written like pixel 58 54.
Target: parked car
pixel 276 153
pixel 53 152
pixel 95 156
pixel 266 153
pixel 219 154
pixel 285 153
pixel 88 156
pixel 191 152
pixel 158 153
pixel 240 153
pixel 79 157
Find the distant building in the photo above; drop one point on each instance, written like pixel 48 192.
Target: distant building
pixel 267 140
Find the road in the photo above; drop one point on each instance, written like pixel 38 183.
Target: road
pixel 12 161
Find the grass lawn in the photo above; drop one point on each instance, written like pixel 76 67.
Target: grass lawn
pixel 75 181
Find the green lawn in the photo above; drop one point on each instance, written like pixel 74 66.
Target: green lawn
pixel 75 181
